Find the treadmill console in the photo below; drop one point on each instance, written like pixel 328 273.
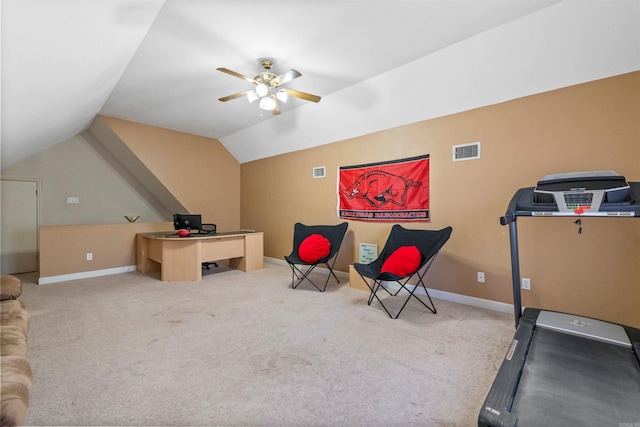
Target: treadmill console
pixel 582 192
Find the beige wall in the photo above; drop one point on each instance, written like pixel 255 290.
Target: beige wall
pixel 198 171
pixel 591 126
pixel 73 169
pixel 64 248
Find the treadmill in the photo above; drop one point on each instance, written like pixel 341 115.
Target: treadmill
pixel 562 369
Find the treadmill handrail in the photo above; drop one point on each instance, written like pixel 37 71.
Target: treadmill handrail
pixel 512 209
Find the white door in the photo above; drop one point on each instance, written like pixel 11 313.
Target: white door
pixel 18 226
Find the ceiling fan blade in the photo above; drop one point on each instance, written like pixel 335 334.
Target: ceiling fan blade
pixel 285 78
pixel 238 75
pixel 234 96
pixel 303 95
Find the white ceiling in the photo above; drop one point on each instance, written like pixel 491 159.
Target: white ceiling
pixel 376 63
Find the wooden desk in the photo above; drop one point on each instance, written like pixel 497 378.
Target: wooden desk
pixel 181 258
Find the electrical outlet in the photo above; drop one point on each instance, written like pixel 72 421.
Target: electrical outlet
pixel 480 277
pixel 89 256
pixel 526 284
pixel 73 200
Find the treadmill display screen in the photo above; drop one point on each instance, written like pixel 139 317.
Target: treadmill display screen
pixel 575 200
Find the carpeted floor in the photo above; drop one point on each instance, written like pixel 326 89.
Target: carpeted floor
pixel 242 349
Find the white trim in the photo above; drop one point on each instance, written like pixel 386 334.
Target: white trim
pixel 85 275
pixel 38 182
pixel 275 260
pixel 500 307
pixel 435 293
pixel 460 299
pixel 340 274
pixel 472 301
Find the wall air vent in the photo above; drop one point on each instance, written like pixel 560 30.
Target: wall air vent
pixel 319 172
pixel 466 151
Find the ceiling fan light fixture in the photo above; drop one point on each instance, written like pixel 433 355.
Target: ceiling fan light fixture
pixel 282 95
pixel 268 103
pixel 252 95
pixel 267 89
pixel 262 89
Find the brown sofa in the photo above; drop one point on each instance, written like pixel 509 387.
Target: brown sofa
pixel 15 384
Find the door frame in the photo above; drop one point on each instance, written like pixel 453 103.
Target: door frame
pixel 38 182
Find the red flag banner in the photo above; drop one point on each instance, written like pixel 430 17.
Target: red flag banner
pixel 396 190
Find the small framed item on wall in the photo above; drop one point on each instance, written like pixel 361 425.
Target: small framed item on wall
pixel 368 253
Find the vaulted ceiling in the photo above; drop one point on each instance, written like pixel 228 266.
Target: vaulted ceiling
pixel 376 63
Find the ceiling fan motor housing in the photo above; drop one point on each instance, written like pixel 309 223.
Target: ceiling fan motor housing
pixel 266 76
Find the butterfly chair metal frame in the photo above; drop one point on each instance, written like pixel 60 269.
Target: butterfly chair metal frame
pixel 300 270
pixel 428 242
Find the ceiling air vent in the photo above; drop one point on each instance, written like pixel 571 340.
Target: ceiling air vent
pixel 466 151
pixel 319 172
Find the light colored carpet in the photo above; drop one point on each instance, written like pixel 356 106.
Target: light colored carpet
pixel 246 349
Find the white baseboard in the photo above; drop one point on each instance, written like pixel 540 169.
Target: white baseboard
pixel 85 275
pixel 472 301
pixel 435 293
pixel 130 268
pixel 460 299
pixel 340 274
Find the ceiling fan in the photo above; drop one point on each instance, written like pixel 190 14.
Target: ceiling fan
pixel 268 89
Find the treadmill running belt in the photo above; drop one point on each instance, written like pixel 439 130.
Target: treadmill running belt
pixel 573 381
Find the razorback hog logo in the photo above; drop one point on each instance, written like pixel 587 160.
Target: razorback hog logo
pixel 378 188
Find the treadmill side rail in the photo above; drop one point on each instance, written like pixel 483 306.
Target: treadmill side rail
pixel 496 410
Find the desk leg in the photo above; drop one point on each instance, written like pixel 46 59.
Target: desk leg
pixel 142 255
pixel 253 258
pixel 181 261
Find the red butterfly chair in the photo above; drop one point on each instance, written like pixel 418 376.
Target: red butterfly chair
pixel 301 269
pixel 428 243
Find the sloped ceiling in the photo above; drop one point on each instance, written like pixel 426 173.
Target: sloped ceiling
pixel 376 64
